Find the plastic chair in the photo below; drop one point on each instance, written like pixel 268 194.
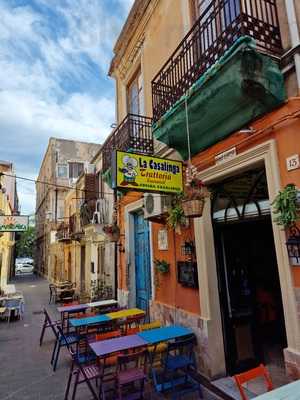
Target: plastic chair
pixel 15 306
pixel 82 374
pixel 62 340
pixel 131 369
pixel 48 323
pixel 258 372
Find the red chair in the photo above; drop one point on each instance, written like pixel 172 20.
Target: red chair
pixel 132 324
pixel 258 372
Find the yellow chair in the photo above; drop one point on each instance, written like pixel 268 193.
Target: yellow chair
pixel 160 347
pixel 150 325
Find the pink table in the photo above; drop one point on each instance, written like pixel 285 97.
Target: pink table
pixel 106 347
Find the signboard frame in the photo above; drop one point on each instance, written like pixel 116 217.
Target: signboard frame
pixel 25 222
pixel 152 189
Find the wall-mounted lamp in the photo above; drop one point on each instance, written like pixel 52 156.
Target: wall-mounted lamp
pixel 293 244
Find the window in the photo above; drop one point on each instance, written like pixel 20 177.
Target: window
pixel 198 7
pixel 75 169
pixel 134 95
pixel 62 171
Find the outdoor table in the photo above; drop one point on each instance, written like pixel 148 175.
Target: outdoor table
pixel 164 334
pixel 83 322
pixel 286 392
pixel 106 347
pixel 130 312
pixel 103 303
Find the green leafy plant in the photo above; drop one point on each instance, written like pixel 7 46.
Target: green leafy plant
pixel 176 216
pixel 286 207
pixel 162 266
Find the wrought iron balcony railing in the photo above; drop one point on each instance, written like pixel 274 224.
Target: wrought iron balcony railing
pixel 134 134
pixel 63 232
pixel 220 25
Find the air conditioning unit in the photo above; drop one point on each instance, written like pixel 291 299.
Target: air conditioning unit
pixel 156 205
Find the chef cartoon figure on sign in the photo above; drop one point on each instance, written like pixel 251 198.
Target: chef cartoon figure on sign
pixel 129 172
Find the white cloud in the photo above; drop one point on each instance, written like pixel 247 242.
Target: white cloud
pixel 46 78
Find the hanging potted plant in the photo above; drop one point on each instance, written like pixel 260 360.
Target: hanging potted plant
pixel 112 231
pixel 176 217
pixel 287 206
pixel 162 267
pixel 194 198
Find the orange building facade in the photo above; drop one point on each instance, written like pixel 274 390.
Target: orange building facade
pixel 245 287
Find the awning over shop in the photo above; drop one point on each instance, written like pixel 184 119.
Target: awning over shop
pixel 240 87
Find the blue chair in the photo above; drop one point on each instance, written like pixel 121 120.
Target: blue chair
pixel 174 371
pixel 62 340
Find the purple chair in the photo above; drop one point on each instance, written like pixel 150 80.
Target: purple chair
pixel 82 374
pixel 131 369
pixel 48 323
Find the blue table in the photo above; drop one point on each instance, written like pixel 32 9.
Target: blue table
pixel 157 335
pixel 82 322
pixel 286 392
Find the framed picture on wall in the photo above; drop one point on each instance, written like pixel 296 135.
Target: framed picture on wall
pixel 187 273
pixel 162 239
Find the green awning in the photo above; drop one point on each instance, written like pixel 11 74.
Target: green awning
pixel 240 87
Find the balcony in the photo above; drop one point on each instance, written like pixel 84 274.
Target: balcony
pixel 218 28
pixel 63 233
pixel 133 134
pixel 75 229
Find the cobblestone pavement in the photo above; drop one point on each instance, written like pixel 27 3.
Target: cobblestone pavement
pixel 25 372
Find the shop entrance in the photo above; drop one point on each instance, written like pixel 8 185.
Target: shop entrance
pixel 251 304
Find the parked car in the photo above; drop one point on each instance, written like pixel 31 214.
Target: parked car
pixel 24 268
pixel 24 260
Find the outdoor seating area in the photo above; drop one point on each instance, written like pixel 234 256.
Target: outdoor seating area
pixel 11 306
pixel 61 291
pixel 116 353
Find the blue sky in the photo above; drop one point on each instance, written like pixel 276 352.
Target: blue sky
pixel 54 59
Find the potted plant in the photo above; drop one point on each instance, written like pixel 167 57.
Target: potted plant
pixel 194 198
pixel 112 231
pixel 176 217
pixel 286 206
pixel 161 267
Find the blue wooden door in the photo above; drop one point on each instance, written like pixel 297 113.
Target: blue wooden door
pixel 142 262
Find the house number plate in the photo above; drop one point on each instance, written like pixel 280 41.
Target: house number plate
pixel 293 162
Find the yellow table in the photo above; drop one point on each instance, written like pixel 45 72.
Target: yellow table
pixel 125 313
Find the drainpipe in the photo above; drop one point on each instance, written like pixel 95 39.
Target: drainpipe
pixel 294 33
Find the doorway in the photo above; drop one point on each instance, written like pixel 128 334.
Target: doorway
pixel 249 286
pixel 142 262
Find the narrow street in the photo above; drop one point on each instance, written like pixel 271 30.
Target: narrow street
pixel 25 371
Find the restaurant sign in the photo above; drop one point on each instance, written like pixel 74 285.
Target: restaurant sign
pixel 13 223
pixel 146 173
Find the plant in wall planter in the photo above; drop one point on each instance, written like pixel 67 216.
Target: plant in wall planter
pixel 287 206
pixel 162 267
pixel 112 231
